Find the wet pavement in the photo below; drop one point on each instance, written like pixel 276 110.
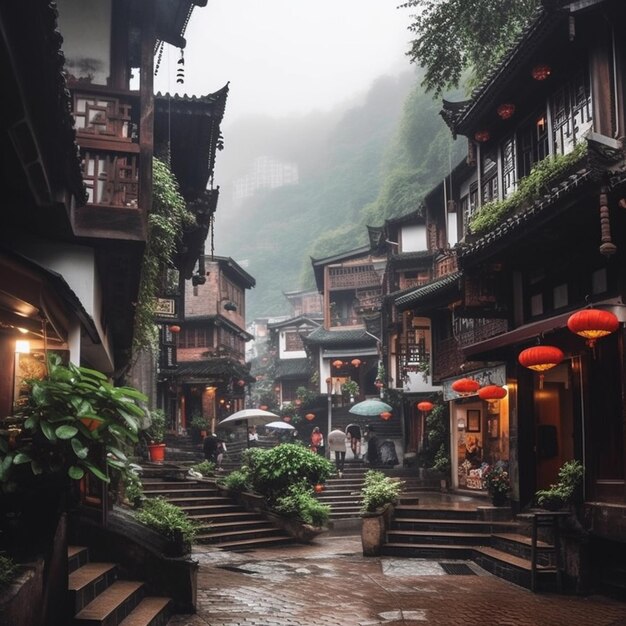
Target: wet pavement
pixel 330 583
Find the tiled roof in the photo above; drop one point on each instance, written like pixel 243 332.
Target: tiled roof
pixel 301 320
pixel 212 368
pixel 322 337
pixel 434 287
pixel 293 368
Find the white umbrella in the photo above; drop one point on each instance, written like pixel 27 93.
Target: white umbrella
pixel 279 425
pixel 254 417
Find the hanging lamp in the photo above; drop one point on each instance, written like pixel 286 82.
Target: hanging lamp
pixel 540 359
pixel 465 386
pixel 492 392
pixel 385 415
pixel 593 324
pixel 425 406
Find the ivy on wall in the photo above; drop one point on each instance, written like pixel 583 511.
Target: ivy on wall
pixel 167 220
pixel 529 189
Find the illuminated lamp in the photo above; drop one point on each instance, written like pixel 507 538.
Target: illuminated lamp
pixel 319 488
pixel 337 363
pixel 310 417
pixel 465 386
pixel 540 359
pixel 277 388
pixel 174 328
pixel 425 406
pixel 385 415
pixel 505 111
pixel 593 324
pixel 355 362
pixel 541 72
pixel 287 418
pixel 482 136
pixel 492 392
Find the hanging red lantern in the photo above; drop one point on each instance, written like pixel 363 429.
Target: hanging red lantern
pixel 465 386
pixel 297 402
pixel 482 136
pixel 541 71
pixel 174 329
pixel 385 415
pixel 505 111
pixel 241 382
pixel 378 384
pixel 310 417
pixel 355 362
pixel 319 488
pixel 540 359
pixel 425 406
pixel 337 363
pixel 593 324
pixel 263 407
pixel 287 418
pixel 492 392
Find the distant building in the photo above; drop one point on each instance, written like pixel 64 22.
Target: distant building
pixel 265 173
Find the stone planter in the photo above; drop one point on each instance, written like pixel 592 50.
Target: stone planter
pixel 374 529
pixel 304 533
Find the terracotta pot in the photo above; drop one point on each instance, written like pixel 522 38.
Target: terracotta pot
pixel 156 452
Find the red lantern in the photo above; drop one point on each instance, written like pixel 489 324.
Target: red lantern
pixel 465 386
pixel 174 329
pixel 297 402
pixel 287 418
pixel 425 406
pixel 337 363
pixel 492 392
pixel 385 415
pixel 540 359
pixel 310 416
pixel 593 324
pixel 355 362
pixel 378 384
pixel 541 72
pixel 241 382
pixel 505 111
pixel 482 136
pixel 319 488
pixel 263 407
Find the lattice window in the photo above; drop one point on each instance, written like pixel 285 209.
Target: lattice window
pixel 571 112
pixel 195 338
pixel 353 276
pixel 508 167
pixel 103 116
pixel 293 342
pixel 111 179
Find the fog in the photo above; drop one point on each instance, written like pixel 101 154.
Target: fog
pixel 285 57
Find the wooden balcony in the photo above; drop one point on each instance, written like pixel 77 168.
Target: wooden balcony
pixel 353 277
pixel 447 359
pixel 481 329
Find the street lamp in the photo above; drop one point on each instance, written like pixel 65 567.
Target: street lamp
pixel 329 389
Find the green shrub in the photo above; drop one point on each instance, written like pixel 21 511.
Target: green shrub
pixel 273 471
pixel 378 491
pixel 206 468
pixel 167 519
pixel 236 481
pixel 133 488
pixel 156 430
pixel 562 493
pixel 8 571
pixel 300 503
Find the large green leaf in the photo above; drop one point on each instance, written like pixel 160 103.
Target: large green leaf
pixel 76 472
pixel 47 430
pixel 66 431
pixel 117 452
pixel 96 471
pixel 79 450
pixel 133 393
pixel 36 468
pixel 20 458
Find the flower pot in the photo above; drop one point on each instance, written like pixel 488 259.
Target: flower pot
pixel 498 498
pixel 156 452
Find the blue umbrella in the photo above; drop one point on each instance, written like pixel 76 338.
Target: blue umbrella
pixel 369 408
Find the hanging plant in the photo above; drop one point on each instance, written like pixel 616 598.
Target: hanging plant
pixel 167 220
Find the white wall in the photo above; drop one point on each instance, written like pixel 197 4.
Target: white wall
pixel 413 238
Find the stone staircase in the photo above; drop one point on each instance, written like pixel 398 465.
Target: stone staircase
pixel 343 494
pixel 222 522
pixel 99 598
pixel 487 535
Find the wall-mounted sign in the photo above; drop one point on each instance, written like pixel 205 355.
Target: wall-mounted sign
pixel 489 376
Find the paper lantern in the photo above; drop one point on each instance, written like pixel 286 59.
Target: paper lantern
pixel 319 488
pixel 337 363
pixel 505 111
pixel 593 324
pixel 241 382
pixel 541 359
pixel 482 136
pixel 425 406
pixel 492 392
pixel 310 417
pixel 465 386
pixel 263 407
pixel 378 384
pixel 174 329
pixel 355 362
pixel 541 72
pixel 385 415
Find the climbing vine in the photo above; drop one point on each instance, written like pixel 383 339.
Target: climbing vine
pixel 529 189
pixel 167 220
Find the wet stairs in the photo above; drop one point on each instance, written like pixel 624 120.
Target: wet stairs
pixel 489 536
pixel 343 494
pixel 100 598
pixel 222 522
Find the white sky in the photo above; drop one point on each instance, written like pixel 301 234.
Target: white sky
pixel 288 56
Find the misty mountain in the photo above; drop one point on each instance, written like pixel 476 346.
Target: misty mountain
pixel 357 165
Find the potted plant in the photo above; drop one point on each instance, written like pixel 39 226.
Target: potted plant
pixel 497 482
pixel 350 388
pixel 156 435
pixel 557 496
pixel 198 428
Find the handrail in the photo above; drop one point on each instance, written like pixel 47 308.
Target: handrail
pixel 543 519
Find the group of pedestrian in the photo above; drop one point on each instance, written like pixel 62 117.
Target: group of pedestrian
pixel 337 440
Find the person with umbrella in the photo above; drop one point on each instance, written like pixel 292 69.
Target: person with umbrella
pixel 353 431
pixel 337 444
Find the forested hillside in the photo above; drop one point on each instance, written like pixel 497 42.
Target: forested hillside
pixel 358 166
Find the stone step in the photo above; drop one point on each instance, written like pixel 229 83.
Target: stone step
pixel 190 492
pixel 521 546
pixel 151 611
pixel 451 525
pixel 88 580
pixel 427 550
pixel 251 544
pixel 233 526
pixel 111 606
pixel 199 500
pixel 170 485
pixel 77 556
pixel 235 515
pixel 210 509
pixel 428 512
pixel 441 538
pixel 268 531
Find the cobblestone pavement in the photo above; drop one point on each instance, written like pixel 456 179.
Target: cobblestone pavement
pixel 331 583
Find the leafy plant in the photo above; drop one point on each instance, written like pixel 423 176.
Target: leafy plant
pixel 156 430
pixel 274 470
pixel 530 188
pixel 496 478
pixel 206 468
pixel 558 495
pixel 299 502
pixel 71 414
pixel 198 422
pixel 237 481
pixel 350 388
pixel 378 491
pixel 133 488
pixel 442 460
pixel 8 571
pixel 167 519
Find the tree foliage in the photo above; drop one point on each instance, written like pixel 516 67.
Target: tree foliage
pixel 455 35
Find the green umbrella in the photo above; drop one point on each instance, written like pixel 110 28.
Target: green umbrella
pixel 369 408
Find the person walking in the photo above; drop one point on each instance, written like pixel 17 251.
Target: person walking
pixel 209 447
pixel 373 456
pixel 317 440
pixel 354 432
pixel 221 450
pixel 337 444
